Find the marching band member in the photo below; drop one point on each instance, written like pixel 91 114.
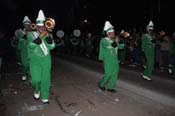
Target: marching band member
pixel 75 40
pixel 14 44
pixel 88 44
pixel 40 59
pixel 59 41
pixel 109 46
pixel 122 52
pixel 148 49
pixel 23 48
pixel 171 68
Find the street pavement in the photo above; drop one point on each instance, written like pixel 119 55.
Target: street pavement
pixel 74 92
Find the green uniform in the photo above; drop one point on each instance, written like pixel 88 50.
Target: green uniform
pixel 23 54
pixel 18 51
pixel 18 47
pixel 40 64
pixel 108 55
pixel 148 49
pixel 122 53
pixel 172 50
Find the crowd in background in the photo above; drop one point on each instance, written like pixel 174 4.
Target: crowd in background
pixel 87 45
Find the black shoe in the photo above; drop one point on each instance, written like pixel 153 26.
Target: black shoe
pixel 101 88
pixel 46 103
pixel 35 98
pixel 112 90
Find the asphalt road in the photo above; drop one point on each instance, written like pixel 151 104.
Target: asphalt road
pixel 74 92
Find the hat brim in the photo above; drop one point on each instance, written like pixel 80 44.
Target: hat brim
pixel 110 30
pixel 40 24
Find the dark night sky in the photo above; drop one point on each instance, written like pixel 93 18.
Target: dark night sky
pixel 69 13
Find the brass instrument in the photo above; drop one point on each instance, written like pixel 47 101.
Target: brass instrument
pixel 33 26
pixel 49 24
pixel 126 34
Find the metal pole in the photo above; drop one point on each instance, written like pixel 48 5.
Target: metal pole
pixel 159 7
pixel 151 9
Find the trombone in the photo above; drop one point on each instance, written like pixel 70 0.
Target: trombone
pixel 126 34
pixel 33 26
pixel 49 24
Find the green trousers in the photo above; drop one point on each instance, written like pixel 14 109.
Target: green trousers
pixel 40 73
pixel 111 75
pixel 25 70
pixel 149 64
pixel 122 55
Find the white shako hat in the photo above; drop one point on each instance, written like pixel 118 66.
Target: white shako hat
pixel 108 27
pixel 40 19
pixel 150 25
pixel 26 20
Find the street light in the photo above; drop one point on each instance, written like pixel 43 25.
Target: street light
pixel 85 20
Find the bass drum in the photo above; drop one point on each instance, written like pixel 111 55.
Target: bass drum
pixel 60 33
pixel 77 33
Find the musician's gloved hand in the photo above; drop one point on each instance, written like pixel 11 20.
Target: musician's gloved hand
pixel 153 41
pixel 49 40
pixel 37 41
pixel 24 36
pixel 114 44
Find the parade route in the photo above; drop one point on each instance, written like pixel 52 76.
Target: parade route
pixel 74 92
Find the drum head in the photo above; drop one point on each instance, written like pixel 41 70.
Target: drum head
pixel 60 33
pixel 77 33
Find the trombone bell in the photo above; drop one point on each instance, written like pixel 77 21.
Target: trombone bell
pixel 33 26
pixel 49 23
pixel 126 34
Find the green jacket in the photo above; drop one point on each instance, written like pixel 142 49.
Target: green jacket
pixel 172 51
pixel 107 52
pixel 108 55
pixel 147 45
pixel 22 46
pixel 35 51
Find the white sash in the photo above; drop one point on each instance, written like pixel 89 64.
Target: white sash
pixel 116 50
pixel 44 48
pixel 35 34
pixel 42 45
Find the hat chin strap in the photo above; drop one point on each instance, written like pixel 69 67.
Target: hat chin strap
pixel 108 34
pixel 148 30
